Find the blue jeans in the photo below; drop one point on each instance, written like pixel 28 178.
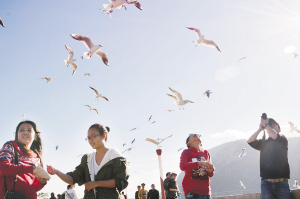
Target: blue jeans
pixel 191 195
pixel 279 190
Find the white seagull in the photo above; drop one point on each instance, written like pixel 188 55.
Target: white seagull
pixel 153 122
pixel 94 49
pixel 201 39
pixel 1 22
pixel 85 74
pixel 207 93
pixel 179 101
pixel 24 115
pixel 136 3
pixel 98 95
pixel 70 59
pixel 242 185
pixel 92 109
pixel 118 4
pixel 293 128
pixel 149 118
pixel 241 59
pixel 48 78
pixel 170 111
pixel 134 129
pixel 243 153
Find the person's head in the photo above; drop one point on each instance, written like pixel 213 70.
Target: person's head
pixel 28 138
pixel 97 135
pixel 193 139
pixel 139 187
pixel 52 195
pixel 274 125
pixel 58 196
pixel 173 175
pixel 122 192
pixel 143 185
pixel 153 186
pixel 71 186
pixel 168 175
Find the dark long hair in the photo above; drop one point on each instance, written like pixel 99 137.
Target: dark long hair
pixel 36 145
pixel 101 129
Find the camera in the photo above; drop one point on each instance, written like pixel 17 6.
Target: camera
pixel 264 116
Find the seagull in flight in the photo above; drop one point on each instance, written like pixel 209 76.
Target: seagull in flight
pixel 242 185
pixel 153 122
pixel 170 111
pixel 134 129
pixel 241 59
pixel 98 95
pixel 92 109
pixel 129 149
pixel 118 4
pixel 149 118
pixel 207 93
pixel 243 153
pixel 94 49
pixel 133 141
pixel 157 142
pixel 293 128
pixel 179 101
pixel 201 39
pixel 136 3
pixel 47 78
pixel 24 115
pixel 56 148
pixel 70 59
pixel 180 149
pixel 1 22
pixel 85 74
pixel 124 144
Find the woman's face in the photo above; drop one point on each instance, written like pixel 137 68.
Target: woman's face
pixel 95 139
pixel 26 134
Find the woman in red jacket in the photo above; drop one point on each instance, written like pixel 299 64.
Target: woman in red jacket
pixel 28 145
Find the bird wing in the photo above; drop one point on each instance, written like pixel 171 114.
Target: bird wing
pixel 74 68
pixel 138 5
pixel 198 33
pixel 172 96
pixel 1 22
pixel 104 97
pixel 210 43
pixel 71 53
pixel 96 110
pixel 153 141
pixel 292 125
pixel 177 94
pixel 149 118
pixel 103 55
pixel 241 59
pixel 88 106
pixel 86 40
pixel 95 90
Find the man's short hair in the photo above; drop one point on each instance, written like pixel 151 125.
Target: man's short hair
pixel 139 186
pixel 168 174
pixel 68 187
pixel 173 174
pixel 272 121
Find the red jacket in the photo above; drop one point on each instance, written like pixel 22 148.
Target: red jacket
pixel 26 183
pixel 196 178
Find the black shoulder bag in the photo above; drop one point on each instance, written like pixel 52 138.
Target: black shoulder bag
pixel 13 194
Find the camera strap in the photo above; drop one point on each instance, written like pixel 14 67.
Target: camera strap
pixel 16 162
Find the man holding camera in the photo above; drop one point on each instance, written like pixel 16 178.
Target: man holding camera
pixel 274 166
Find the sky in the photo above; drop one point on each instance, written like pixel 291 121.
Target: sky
pixel 149 51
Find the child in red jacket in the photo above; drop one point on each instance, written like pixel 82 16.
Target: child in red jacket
pixel 196 163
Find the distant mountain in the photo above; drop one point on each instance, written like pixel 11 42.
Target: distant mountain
pixel 230 170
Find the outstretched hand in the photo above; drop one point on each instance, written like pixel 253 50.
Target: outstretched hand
pixel 51 170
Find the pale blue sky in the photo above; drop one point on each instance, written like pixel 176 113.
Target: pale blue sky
pixel 149 51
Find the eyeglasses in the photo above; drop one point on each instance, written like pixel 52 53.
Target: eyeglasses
pixel 91 138
pixel 194 135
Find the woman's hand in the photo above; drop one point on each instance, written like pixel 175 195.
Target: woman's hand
pixel 90 185
pixel 51 170
pixel 42 180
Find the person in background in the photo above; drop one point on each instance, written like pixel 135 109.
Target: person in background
pixel 143 192
pixel 28 145
pixel 137 192
pixel 166 182
pixel 52 196
pixel 173 190
pixel 153 193
pixel 103 172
